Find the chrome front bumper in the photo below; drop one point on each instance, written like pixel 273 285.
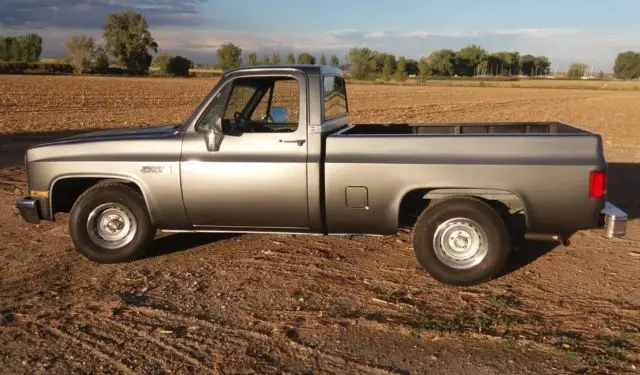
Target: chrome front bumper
pixel 615 220
pixel 29 211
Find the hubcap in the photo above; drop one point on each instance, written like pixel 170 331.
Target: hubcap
pixel 460 243
pixel 111 225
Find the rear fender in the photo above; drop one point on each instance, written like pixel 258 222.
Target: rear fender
pixel 507 201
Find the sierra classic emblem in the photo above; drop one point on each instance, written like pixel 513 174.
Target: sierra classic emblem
pixel 155 169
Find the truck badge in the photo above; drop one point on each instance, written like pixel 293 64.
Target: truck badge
pixel 157 169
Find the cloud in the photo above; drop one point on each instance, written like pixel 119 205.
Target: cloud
pixel 89 13
pixel 477 33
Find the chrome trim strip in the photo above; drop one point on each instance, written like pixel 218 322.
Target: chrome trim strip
pixel 265 232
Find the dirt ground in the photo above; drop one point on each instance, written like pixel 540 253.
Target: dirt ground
pixel 311 305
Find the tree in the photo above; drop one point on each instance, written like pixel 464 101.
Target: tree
pixel 577 70
pixel 401 69
pixel 101 62
pixel 335 62
pixel 252 59
pixel 543 66
pixel 424 68
pixel 388 66
pixel 469 59
pixel 306 58
pixel 502 63
pixel 291 59
pixel 275 59
pixel 23 48
pixel 323 59
pixel 179 66
pixel 172 65
pixel 363 62
pixel 81 50
pixel 627 65
pixel 265 60
pixel 161 62
pixel 229 56
pixel 528 65
pixel 412 67
pixel 128 39
pixel 6 53
pixel 31 47
pixel 601 75
pixel 380 58
pixel 441 62
pixel 513 58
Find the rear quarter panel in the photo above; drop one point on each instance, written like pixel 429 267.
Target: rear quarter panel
pixel 549 173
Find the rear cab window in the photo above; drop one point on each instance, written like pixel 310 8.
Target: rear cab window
pixel 335 97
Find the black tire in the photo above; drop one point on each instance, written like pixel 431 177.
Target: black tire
pixel 468 208
pixel 111 192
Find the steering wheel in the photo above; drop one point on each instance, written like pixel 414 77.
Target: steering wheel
pixel 241 122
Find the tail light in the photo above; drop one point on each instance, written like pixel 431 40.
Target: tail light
pixel 597 184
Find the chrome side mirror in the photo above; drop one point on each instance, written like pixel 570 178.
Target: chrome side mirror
pixel 214 135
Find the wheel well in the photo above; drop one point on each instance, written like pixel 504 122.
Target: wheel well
pixel 66 191
pixel 507 204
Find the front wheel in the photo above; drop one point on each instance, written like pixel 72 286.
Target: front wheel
pixel 461 241
pixel 109 223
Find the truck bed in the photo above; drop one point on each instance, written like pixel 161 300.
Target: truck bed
pixel 546 165
pixel 464 128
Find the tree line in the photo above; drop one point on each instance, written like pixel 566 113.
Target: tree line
pixel 468 61
pixel 230 56
pixel 128 42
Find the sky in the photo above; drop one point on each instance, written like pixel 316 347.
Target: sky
pixel 587 31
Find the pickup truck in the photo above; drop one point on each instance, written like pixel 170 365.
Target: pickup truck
pixel 272 149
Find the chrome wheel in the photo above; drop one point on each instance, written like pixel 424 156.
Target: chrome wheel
pixel 111 225
pixel 460 243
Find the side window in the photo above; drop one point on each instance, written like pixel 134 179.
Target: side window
pixel 279 108
pixel 335 97
pixel 240 97
pixel 287 96
pixel 215 109
pixel 256 105
pixel 260 113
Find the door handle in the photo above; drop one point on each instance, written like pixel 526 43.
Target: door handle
pixel 300 142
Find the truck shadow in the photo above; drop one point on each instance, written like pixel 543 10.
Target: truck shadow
pixel 529 252
pixel 623 188
pixel 179 242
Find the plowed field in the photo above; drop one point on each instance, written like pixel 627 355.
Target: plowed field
pixel 296 304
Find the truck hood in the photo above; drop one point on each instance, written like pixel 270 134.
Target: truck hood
pixel 148 132
pixel 159 141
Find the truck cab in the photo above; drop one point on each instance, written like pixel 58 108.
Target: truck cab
pixel 256 141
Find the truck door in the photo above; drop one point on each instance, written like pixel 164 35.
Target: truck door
pixel 255 178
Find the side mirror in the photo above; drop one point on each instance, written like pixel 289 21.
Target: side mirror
pixel 279 114
pixel 214 135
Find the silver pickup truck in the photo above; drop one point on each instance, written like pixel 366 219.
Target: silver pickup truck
pixel 272 149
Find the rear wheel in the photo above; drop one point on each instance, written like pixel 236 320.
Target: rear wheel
pixel 109 223
pixel 461 241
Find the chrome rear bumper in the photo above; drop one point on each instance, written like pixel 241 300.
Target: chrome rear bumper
pixel 615 220
pixel 28 208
